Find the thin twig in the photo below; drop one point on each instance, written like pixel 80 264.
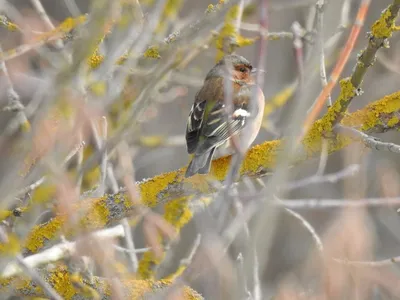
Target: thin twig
pixel 339 203
pixel 43 15
pixel 79 160
pixel 370 141
pixel 188 260
pixel 99 143
pixel 14 103
pixel 320 37
pixel 104 159
pixel 126 163
pixel 242 276
pixel 309 228
pixel 323 159
pixel 268 35
pixel 257 291
pixel 137 251
pixel 317 179
pixel 72 7
pixel 277 6
pixel 298 48
pixel 130 245
pixel 239 16
pixel 374 264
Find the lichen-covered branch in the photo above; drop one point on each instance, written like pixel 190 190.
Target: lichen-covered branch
pixel 382 29
pixel 74 286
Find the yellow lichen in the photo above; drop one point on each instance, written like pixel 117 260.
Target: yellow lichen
pixel 383 27
pixel 60 279
pixel 5 282
pixel 260 157
pixel 151 188
pixel 393 121
pixel 137 288
pixel 4 214
pixel 176 274
pixel 323 127
pixel 210 8
pixel 12 26
pixel 152 52
pixel 8 24
pixel 97 215
pixel 219 167
pixel 228 38
pixel 242 41
pixel 177 212
pixel 69 23
pixel 42 233
pixel 147 264
pixel 95 60
pixel 11 247
pixel 372 114
pixel 71 285
pixel 66 26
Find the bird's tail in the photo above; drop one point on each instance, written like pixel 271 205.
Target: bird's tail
pixel 200 163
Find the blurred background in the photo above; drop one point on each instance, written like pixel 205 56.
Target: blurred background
pixel 369 234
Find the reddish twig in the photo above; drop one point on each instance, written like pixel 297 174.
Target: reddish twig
pixel 337 71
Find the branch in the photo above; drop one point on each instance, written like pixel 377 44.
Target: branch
pixel 96 213
pixel 382 29
pixel 370 141
pixel 57 252
pixel 71 286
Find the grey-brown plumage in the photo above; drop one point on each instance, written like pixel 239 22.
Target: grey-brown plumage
pixel 208 127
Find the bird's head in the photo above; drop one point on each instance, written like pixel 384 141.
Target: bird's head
pixel 239 67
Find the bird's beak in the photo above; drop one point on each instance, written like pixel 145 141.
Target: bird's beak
pixel 255 70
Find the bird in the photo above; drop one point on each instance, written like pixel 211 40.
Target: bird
pixel 208 126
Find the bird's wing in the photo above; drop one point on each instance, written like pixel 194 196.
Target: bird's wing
pixel 206 98
pixel 218 127
pixel 193 128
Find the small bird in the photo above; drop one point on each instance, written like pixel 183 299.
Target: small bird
pixel 208 126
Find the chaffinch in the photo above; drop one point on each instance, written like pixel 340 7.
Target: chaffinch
pixel 208 126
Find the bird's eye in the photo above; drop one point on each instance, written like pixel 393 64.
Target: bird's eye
pixel 242 69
